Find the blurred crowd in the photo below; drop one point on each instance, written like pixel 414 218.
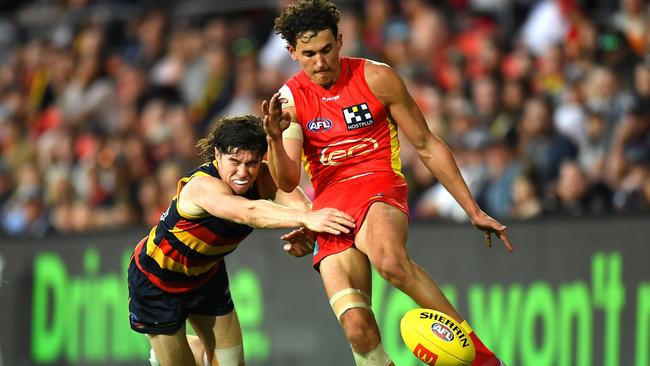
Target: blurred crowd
pixel 545 104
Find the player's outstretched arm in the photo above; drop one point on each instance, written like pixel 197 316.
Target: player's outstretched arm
pixel 214 196
pixel 434 153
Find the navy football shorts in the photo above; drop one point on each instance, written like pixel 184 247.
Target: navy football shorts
pixel 154 311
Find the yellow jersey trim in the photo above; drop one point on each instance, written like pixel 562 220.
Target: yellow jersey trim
pixel 395 161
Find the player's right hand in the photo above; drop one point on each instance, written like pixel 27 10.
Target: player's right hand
pixel 329 220
pixel 299 242
pixel 489 226
pixel 275 120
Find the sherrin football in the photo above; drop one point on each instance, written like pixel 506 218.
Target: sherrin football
pixel 436 339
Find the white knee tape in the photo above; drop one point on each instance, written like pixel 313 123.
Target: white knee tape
pixel 347 299
pixel 153 360
pixel 376 357
pixel 231 356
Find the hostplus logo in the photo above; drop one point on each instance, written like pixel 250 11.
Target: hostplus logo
pixel 357 116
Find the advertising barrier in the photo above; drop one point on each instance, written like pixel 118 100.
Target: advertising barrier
pixel 575 293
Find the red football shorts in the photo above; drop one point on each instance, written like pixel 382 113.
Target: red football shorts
pixel 354 197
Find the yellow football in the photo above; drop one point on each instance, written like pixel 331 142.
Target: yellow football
pixel 436 339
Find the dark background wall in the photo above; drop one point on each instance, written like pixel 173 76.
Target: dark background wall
pixel 576 292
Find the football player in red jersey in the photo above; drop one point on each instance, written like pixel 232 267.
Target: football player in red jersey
pixel 177 272
pixel 343 114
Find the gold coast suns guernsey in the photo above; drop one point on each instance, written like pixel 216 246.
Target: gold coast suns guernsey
pixel 345 129
pixel 182 252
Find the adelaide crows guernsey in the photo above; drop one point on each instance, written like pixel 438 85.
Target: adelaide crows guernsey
pixel 182 252
pixel 346 130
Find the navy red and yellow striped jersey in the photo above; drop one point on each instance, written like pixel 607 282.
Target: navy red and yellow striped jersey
pixel 183 251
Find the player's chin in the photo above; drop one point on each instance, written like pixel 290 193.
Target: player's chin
pixel 322 78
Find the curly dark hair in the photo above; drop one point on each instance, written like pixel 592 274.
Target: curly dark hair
pixel 232 134
pixel 307 18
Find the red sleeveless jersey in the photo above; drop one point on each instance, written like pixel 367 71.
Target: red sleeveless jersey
pixel 346 129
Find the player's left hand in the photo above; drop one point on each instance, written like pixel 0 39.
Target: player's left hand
pixel 299 242
pixel 490 226
pixel 274 119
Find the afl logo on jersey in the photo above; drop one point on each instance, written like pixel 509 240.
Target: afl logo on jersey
pixel 319 124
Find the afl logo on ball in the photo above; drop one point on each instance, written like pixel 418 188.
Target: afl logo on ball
pixel 319 125
pixel 442 331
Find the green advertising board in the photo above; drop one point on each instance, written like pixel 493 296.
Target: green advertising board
pixel 574 294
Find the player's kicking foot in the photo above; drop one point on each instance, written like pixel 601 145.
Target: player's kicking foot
pixel 484 357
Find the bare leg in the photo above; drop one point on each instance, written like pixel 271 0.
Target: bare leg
pixel 382 237
pixel 197 349
pixel 172 349
pixel 218 333
pixel 351 269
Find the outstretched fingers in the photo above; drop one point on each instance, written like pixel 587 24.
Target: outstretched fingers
pixel 331 221
pixel 274 119
pixel 506 241
pixel 333 227
pixel 500 232
pixel 487 237
pixel 298 242
pixel 273 105
pixel 342 221
pixel 489 226
pixel 265 108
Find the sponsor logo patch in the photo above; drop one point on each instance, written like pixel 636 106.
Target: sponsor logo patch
pixel 329 99
pixel 425 355
pixel 334 154
pixel 319 124
pixel 357 116
pixel 443 332
pixel 134 321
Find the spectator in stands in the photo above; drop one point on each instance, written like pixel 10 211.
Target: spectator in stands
pixel 503 168
pixel 24 211
pixel 592 152
pixel 605 95
pixel 525 199
pixel 575 195
pixel 630 145
pixel 540 145
pixel 117 99
pixel 633 20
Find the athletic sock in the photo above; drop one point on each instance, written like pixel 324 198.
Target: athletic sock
pixel 484 357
